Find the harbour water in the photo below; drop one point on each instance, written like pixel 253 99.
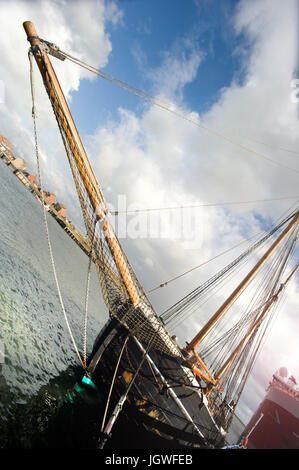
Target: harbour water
pixel 39 367
pixel 35 344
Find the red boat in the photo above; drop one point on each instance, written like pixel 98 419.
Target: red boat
pixel 275 424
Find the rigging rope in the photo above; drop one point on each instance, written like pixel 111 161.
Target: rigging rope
pixel 113 380
pixel 220 254
pixel 217 134
pixel 212 204
pixel 157 102
pixel 258 320
pixel 195 267
pixel 87 294
pixel 102 74
pixel 37 152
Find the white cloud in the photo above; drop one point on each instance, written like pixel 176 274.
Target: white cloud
pixel 179 67
pixel 155 158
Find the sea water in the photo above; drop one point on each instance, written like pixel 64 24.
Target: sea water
pixel 35 345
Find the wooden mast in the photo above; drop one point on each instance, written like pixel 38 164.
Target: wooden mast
pixel 239 289
pixel 90 183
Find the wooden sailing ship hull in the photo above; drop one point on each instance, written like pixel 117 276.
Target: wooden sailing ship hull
pixel 165 403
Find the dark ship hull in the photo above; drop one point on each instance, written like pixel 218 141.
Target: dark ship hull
pixel 166 403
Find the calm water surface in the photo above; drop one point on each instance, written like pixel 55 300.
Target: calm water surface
pixel 33 336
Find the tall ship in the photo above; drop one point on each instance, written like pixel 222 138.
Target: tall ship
pixel 178 397
pixel 275 424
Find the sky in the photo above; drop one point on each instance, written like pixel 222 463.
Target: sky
pixel 233 63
